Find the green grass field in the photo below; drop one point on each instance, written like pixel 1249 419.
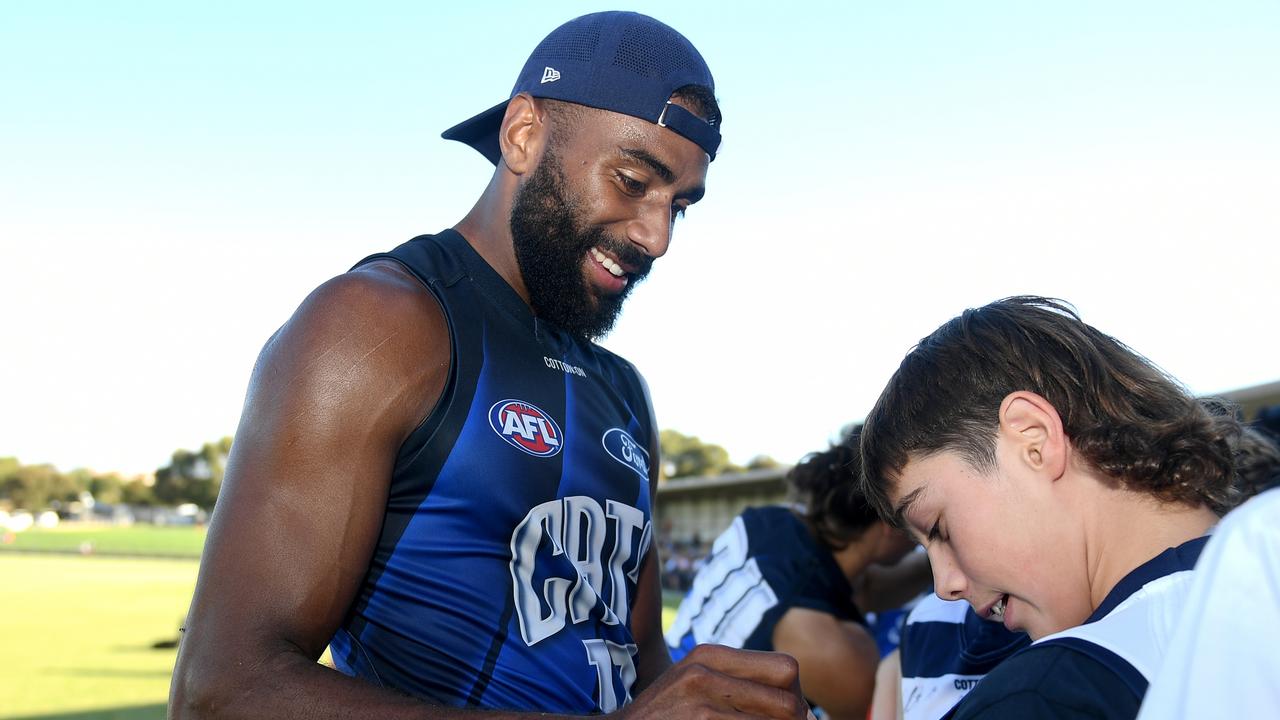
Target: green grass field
pixel 184 542
pixel 77 631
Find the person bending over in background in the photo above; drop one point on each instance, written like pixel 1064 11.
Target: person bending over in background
pixel 781 578
pixel 1061 484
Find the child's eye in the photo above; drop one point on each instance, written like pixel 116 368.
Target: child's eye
pixel 935 532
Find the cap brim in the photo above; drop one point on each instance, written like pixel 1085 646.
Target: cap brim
pixel 481 131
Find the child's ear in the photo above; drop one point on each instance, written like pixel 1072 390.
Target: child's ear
pixel 1032 424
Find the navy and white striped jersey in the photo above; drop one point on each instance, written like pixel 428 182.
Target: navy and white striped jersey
pixel 518 515
pixel 946 649
pixel 763 565
pixel 1101 668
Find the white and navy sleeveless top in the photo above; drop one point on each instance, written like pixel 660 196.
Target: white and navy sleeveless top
pixel 764 564
pixel 518 516
pixel 1100 668
pixel 1130 630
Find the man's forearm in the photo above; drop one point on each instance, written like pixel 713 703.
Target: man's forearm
pixel 291 685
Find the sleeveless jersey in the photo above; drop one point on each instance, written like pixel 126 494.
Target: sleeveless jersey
pixel 763 565
pixel 518 516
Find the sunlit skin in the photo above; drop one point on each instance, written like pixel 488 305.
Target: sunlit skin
pixel 629 177
pixel 1041 529
pixel 988 535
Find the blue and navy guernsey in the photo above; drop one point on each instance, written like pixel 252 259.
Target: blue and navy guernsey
pixel 518 516
pixel 1099 669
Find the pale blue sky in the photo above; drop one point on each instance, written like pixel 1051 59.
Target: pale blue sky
pixel 175 177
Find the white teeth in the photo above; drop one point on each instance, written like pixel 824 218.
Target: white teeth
pixel 614 268
pixel 997 611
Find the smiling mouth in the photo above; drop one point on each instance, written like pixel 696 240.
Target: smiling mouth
pixel 608 263
pixel 997 610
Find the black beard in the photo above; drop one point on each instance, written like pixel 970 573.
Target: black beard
pixel 550 244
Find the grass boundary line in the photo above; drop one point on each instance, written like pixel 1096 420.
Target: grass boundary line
pixel 116 554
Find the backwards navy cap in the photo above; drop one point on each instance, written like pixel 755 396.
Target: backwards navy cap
pixel 620 61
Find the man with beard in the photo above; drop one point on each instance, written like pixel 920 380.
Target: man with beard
pixel 440 477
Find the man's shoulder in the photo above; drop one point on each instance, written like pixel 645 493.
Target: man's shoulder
pixel 379 292
pixel 1050 681
pixel 373 326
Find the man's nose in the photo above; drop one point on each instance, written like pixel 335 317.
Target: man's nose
pixel 651 228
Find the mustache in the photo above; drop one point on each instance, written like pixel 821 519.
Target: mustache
pixel 627 253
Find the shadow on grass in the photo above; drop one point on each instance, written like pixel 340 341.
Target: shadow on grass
pixel 130 712
pixel 150 648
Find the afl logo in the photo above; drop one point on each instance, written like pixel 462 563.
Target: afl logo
pixel 623 448
pixel 526 427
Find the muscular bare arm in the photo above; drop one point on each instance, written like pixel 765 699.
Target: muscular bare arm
pixel 837 660
pixel 332 396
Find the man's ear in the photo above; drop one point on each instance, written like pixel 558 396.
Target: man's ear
pixel 1032 426
pixel 523 133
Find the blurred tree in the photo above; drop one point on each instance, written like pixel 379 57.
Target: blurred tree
pixel 136 492
pixel 763 462
pixel 687 456
pixel 37 487
pixel 34 487
pixel 107 489
pixel 193 477
pixel 8 468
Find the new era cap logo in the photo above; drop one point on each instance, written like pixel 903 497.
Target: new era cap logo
pixel 550 74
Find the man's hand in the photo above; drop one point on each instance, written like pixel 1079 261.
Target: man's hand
pixel 716 681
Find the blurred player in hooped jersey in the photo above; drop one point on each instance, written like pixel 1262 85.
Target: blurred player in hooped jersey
pixel 1062 485
pixel 946 649
pixel 791 579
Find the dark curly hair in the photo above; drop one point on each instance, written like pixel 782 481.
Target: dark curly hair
pixel 1255 452
pixel 826 485
pixel 1136 426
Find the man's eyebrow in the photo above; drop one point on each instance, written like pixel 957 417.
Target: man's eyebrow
pixel 904 506
pixel 654 163
pixel 693 195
